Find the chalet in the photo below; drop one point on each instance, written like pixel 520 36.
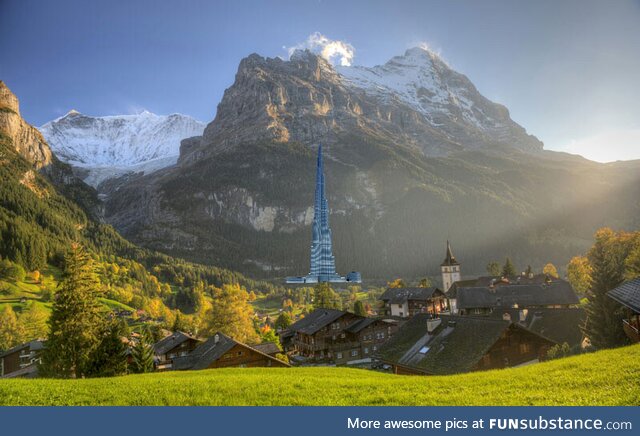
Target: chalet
pixel 407 302
pixel 628 294
pixel 485 300
pixel 221 351
pixel 558 325
pixel 21 360
pixel 337 336
pixel 453 344
pixel 178 344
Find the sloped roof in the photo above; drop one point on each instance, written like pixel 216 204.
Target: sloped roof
pixel 402 295
pixel 628 294
pixel 361 324
pixel 316 320
pixel 558 325
pixel 170 342
pixel 456 345
pixel 267 348
pixel 450 259
pixel 210 351
pixel 524 295
pixel 31 345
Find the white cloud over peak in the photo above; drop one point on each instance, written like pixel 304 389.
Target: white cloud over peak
pixel 334 51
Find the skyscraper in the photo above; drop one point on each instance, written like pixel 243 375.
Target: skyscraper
pixel 323 262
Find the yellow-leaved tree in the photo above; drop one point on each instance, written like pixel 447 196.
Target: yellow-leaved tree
pixel 231 314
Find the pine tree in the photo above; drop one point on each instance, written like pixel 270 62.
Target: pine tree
pixel 508 270
pixel 142 354
pixel 358 308
pixel 109 358
pixel 74 325
pixel 493 268
pixel 604 315
pixel 283 321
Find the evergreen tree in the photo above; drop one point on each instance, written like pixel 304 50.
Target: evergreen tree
pixel 529 271
pixel 604 315
pixel 326 298
pixel 425 283
pixel 493 268
pixel 75 323
pixel 142 354
pixel 10 330
pixel 34 322
pixel 358 308
pixel 508 270
pixel 109 358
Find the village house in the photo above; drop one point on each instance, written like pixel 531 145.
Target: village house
pixel 559 325
pixel 450 344
pixel 407 302
pixel 221 351
pixel 330 335
pixel 21 360
pixel 178 344
pixel 492 297
pixel 628 294
pixel 268 348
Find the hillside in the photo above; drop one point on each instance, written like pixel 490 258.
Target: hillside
pixel 413 154
pixel 609 377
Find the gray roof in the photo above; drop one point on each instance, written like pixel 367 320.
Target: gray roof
pixel 316 320
pixel 267 348
pixel 361 324
pixel 558 325
pixel 628 294
pixel 31 345
pixel 167 344
pixel 558 292
pixel 456 345
pixel 210 351
pixel 402 295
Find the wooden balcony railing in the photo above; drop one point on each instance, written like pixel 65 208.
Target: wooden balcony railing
pixel 631 331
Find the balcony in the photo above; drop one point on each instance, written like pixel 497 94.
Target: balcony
pixel 631 330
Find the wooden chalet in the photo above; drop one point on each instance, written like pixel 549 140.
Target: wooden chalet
pixel 494 297
pixel 178 344
pixel 21 360
pixel 407 302
pixel 221 351
pixel 329 335
pixel 628 294
pixel 451 344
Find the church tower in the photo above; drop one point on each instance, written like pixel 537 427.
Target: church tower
pixel 450 270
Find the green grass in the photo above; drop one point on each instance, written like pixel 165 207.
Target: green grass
pixel 609 377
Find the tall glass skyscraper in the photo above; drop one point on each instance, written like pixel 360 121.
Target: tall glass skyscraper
pixel 323 263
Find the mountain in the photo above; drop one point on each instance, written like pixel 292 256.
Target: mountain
pixel 413 154
pixel 100 148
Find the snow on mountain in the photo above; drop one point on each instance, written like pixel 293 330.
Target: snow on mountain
pixel 422 80
pixel 110 146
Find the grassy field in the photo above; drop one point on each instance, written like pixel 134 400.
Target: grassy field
pixel 609 377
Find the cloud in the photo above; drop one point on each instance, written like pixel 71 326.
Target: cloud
pixel 608 146
pixel 334 51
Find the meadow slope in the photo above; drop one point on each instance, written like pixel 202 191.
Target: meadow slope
pixel 610 377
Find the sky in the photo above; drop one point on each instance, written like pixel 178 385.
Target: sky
pixel 568 71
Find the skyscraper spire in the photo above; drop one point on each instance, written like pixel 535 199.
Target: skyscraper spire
pixel 323 263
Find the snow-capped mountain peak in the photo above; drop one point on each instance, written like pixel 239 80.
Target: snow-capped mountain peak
pixel 117 144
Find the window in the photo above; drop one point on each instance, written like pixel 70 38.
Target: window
pixel 424 350
pixel 338 355
pixel 366 350
pixel 375 348
pixel 354 353
pixel 525 347
pixel 172 355
pixel 240 353
pixel 342 335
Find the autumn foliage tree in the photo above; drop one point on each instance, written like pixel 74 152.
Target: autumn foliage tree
pixel 230 313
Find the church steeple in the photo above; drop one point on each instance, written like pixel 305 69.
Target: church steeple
pixel 450 269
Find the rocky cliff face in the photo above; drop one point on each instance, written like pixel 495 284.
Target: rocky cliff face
pixel 26 139
pixel 31 145
pixel 413 153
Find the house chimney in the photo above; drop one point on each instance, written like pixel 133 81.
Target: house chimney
pixel 506 316
pixel 216 338
pixel 432 324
